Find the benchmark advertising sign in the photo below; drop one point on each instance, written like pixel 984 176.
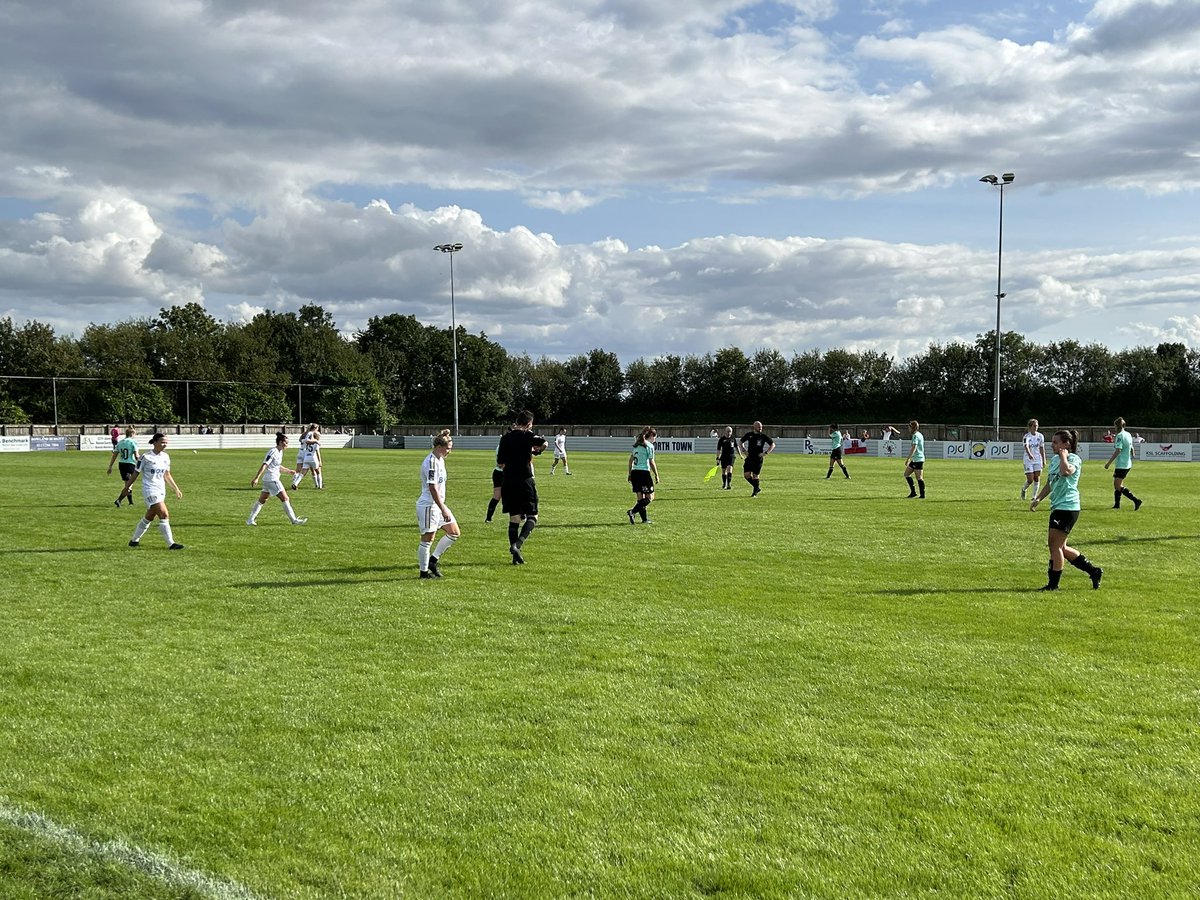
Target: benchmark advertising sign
pixel 9 444
pixel 995 450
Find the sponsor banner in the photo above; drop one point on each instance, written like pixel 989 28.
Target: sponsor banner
pixel 673 445
pixel 95 442
pixel 1002 450
pixel 1164 452
pixel 47 443
pixel 10 444
pixel 856 446
pixel 958 449
pixel 892 450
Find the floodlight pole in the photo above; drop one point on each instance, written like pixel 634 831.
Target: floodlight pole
pixel 1000 182
pixel 451 249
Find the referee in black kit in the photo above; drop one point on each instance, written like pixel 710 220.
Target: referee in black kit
pixel 518 492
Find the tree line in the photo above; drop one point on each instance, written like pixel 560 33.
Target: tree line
pixel 280 367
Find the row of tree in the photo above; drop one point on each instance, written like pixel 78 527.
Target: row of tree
pixel 281 367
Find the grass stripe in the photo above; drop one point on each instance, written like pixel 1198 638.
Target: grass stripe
pixel 159 866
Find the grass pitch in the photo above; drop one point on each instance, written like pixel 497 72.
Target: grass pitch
pixel 827 691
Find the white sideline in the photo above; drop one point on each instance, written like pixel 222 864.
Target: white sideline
pixel 156 865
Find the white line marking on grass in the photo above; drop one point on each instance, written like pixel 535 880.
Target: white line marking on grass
pixel 156 865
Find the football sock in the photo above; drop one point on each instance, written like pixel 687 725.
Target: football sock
pixel 319 481
pixel 921 485
pixel 164 526
pixel 492 504
pixel 1053 577
pixel 830 472
pixel 912 486
pixel 444 544
pixel 514 532
pixel 423 555
pixel 287 508
pixel 526 530
pixel 1117 498
pixel 1125 492
pixel 296 479
pixel 142 526
pixel 254 510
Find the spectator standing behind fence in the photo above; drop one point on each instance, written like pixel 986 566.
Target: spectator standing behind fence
pixel 154 468
pixel 125 455
pixel 1123 456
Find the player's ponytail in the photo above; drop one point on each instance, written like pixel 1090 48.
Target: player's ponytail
pixel 442 438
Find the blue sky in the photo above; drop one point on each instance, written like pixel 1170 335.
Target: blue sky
pixel 624 175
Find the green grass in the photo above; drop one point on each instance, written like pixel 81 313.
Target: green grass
pixel 828 691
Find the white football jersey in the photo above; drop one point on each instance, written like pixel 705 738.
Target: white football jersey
pixel 154 468
pixel 273 460
pixel 1033 445
pixel 433 471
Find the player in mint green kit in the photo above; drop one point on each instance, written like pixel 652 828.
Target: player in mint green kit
pixel 643 474
pixel 835 451
pixel 916 460
pixel 1062 485
pixel 1123 456
pixel 125 455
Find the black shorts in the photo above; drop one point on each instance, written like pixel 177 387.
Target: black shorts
pixel 519 498
pixel 1121 473
pixel 127 470
pixel 752 465
pixel 642 481
pixel 1064 519
pixel 726 460
pixel 835 453
pixel 917 465
pixel 497 477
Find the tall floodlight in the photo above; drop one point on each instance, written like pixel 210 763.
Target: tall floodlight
pixel 1000 182
pixel 451 249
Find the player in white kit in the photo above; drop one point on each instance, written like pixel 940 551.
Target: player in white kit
pixel 432 512
pixel 154 468
pixel 560 452
pixel 308 459
pixel 1034 457
pixel 269 471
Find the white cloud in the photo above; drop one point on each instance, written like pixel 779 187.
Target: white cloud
pixel 122 124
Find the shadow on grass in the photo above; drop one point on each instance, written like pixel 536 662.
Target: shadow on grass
pixel 623 522
pixel 18 550
pixel 1122 539
pixel 917 592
